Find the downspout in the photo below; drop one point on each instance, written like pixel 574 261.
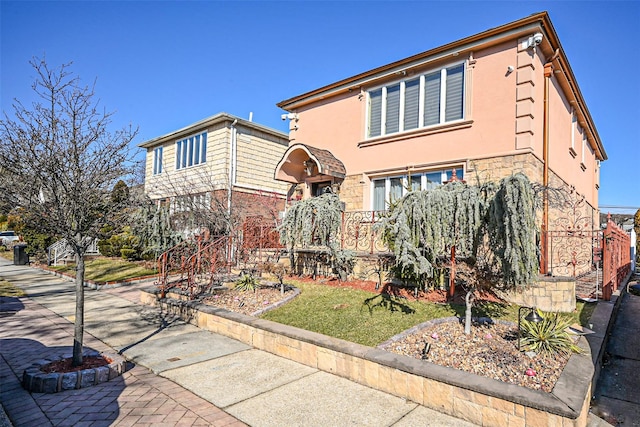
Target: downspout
pixel 232 151
pixel 548 71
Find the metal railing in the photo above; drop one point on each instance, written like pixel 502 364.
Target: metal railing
pixel 197 264
pixel 204 266
pixel 616 257
pixel 358 231
pixel 172 264
pixel 61 250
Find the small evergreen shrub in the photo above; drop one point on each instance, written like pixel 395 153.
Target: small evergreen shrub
pixel 123 244
pixel 247 283
pixel 128 254
pixel 549 336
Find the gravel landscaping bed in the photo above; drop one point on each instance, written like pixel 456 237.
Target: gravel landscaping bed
pixel 252 303
pixel 491 350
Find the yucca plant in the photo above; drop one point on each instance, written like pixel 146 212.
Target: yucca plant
pixel 246 283
pixel 550 336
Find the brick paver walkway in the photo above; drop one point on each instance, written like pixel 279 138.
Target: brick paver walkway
pixel 30 332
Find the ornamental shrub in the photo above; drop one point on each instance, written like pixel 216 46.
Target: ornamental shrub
pixel 550 336
pixel 246 283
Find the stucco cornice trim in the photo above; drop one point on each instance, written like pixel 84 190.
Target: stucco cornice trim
pixel 414 133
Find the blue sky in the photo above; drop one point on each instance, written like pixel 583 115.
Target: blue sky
pixel 164 65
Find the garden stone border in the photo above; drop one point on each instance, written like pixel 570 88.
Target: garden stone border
pixel 181 297
pixel 35 380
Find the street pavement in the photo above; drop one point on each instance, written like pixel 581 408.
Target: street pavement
pixel 180 375
pixel 617 394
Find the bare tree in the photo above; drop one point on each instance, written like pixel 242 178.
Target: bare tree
pixel 61 161
pixel 202 200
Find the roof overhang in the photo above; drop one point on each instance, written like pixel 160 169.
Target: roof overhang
pixel 494 36
pixel 211 121
pixel 302 161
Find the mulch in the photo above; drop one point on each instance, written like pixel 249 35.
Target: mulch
pixel 66 365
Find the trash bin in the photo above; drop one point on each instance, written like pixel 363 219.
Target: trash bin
pixel 20 255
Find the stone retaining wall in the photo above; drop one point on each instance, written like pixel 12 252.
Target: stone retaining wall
pixel 477 399
pixel 551 294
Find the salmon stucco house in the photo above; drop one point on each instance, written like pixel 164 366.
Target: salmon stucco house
pixel 488 106
pixel 222 163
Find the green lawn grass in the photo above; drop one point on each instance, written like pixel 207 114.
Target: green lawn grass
pixel 108 269
pixel 370 319
pixel 9 290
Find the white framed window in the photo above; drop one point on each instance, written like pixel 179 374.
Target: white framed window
pixel 431 99
pixel 585 147
pixel 385 191
pixel 190 203
pixel 191 151
pixel 157 160
pixel 574 129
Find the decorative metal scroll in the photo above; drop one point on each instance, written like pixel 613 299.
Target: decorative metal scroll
pixel 573 238
pixel 616 256
pixel 172 264
pixel 258 234
pixel 204 266
pixel 359 231
pixel 197 264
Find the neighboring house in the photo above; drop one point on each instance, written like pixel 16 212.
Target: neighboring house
pixel 487 106
pixel 222 164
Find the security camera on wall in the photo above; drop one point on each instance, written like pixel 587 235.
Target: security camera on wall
pixel 532 41
pixel 537 39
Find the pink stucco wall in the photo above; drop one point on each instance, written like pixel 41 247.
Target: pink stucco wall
pixel 503 117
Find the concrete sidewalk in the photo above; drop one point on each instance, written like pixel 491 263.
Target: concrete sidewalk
pixel 181 376
pixel 617 395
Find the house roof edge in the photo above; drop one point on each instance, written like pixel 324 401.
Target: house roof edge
pixel 217 118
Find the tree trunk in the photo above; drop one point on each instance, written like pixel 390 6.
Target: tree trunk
pixel 78 331
pixel 468 300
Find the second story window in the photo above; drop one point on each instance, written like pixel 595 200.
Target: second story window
pixel 191 151
pixel 430 99
pixel 157 160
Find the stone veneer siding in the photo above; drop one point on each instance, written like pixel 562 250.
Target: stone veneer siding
pixel 352 192
pixel 479 400
pixel 496 168
pixel 352 189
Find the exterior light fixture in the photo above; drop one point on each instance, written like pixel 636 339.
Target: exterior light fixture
pixel 309 166
pixel 532 317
